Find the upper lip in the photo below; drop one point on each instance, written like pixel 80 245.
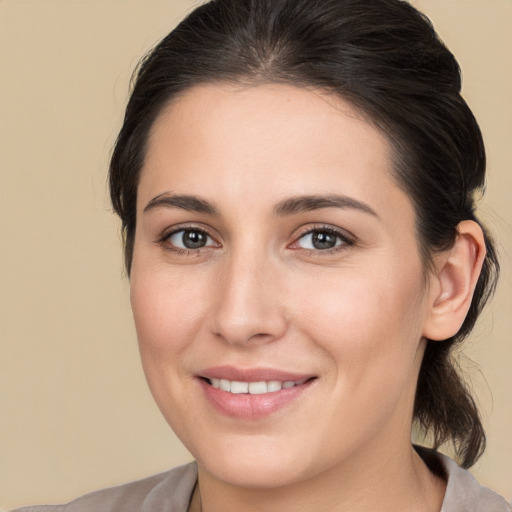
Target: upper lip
pixel 252 374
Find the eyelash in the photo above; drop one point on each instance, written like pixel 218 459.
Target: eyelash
pixel 164 240
pixel 345 238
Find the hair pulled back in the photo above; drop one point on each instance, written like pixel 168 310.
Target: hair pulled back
pixel 386 59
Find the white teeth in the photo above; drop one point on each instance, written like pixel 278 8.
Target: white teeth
pixel 225 385
pixel 274 385
pixel 239 387
pixel 258 388
pixel 253 388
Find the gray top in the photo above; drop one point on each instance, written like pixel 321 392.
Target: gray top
pixel 171 492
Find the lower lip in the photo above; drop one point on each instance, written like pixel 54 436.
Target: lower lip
pixel 251 407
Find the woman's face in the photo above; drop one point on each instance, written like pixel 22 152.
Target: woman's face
pixel 276 257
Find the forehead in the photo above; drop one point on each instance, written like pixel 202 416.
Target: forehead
pixel 258 114
pixel 235 141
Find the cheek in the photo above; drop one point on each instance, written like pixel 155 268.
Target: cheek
pixel 168 314
pixel 167 309
pixel 368 323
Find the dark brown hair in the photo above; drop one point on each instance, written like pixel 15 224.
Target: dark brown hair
pixel 386 59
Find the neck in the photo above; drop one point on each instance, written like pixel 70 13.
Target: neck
pixel 390 482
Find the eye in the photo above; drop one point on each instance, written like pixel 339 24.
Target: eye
pixel 191 239
pixel 322 239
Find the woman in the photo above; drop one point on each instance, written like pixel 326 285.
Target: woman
pixel 295 181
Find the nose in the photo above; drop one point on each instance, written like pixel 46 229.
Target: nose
pixel 249 306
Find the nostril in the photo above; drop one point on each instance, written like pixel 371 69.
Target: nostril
pixel 259 336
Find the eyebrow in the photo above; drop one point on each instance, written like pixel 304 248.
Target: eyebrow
pixel 290 206
pixel 183 202
pixel 301 204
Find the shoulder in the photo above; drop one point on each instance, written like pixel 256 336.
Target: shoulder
pixel 169 492
pixel 463 492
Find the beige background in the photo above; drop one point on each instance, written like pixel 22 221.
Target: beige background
pixel 75 412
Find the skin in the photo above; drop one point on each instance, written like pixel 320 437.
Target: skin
pixel 260 295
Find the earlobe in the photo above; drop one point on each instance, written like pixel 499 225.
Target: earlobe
pixel 453 282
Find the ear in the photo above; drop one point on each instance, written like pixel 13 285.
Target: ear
pixel 453 282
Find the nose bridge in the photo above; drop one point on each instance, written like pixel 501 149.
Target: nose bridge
pixel 248 306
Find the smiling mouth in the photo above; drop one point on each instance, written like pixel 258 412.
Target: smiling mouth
pixel 253 388
pixel 252 394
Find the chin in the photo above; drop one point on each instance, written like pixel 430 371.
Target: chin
pixel 254 472
pixel 256 461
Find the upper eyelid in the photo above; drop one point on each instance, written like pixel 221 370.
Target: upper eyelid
pixel 167 232
pixel 342 233
pixel 164 240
